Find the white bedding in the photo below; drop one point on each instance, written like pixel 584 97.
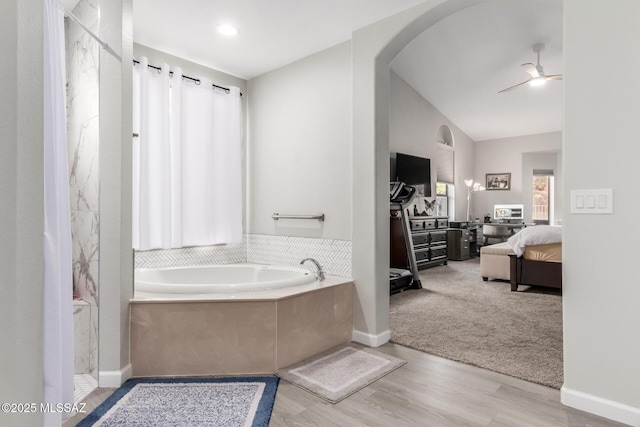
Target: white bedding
pixel 536 235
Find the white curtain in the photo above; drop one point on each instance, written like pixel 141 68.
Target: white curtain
pixel 153 175
pixel 58 287
pixel 188 161
pixel 226 181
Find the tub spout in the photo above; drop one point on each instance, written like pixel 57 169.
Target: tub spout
pixel 320 273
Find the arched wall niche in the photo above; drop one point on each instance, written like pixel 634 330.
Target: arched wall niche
pixel 445 136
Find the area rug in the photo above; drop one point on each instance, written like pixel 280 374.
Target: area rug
pixel 233 401
pixel 459 317
pixel 340 372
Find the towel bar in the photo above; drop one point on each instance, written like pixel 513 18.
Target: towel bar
pixel 277 216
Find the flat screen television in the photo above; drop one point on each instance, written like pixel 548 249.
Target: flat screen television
pixel 508 212
pixel 412 170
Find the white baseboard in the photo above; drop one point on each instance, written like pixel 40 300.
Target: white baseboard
pixel 114 379
pixel 603 407
pixel 371 340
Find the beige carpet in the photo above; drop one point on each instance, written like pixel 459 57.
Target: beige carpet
pixel 340 372
pixel 460 317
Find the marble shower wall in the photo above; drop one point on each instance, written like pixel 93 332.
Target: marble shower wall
pixel 82 63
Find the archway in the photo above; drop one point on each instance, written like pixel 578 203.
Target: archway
pixel 373 49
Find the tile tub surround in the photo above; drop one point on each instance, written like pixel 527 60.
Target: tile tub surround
pixel 334 255
pixel 235 253
pixel 200 337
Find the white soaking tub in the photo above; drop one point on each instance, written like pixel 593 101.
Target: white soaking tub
pixel 220 279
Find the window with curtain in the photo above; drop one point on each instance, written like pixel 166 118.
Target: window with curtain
pixel 187 159
pixel 445 164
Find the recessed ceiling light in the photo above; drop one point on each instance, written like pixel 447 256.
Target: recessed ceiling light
pixel 227 30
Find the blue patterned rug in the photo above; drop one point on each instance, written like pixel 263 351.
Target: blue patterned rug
pixel 231 401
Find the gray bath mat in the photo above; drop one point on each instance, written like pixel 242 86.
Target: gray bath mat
pixel 340 372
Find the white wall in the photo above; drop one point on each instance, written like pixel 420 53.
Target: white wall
pixel 508 155
pixel 116 254
pixel 299 154
pixel 413 129
pixel 601 292
pixel 22 207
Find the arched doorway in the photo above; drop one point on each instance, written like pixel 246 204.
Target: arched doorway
pixel 373 49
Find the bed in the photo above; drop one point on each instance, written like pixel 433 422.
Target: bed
pixel 537 257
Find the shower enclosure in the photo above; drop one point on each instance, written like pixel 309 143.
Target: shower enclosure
pixel 82 69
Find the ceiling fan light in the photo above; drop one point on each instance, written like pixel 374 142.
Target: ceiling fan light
pixel 538 81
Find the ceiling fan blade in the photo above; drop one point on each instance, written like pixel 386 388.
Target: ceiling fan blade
pixel 554 77
pixel 513 87
pixel 531 69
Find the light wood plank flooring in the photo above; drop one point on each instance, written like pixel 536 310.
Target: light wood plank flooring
pixel 427 391
pixel 432 391
pixel 92 401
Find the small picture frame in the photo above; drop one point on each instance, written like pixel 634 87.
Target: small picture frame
pixel 498 181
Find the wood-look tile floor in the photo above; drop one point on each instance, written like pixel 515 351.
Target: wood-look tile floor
pixel 92 401
pixel 427 391
pixel 432 391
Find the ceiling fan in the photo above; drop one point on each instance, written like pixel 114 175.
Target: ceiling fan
pixel 538 77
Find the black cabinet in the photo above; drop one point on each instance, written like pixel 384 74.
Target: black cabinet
pixel 464 243
pixel 458 244
pixel 475 240
pixel 429 240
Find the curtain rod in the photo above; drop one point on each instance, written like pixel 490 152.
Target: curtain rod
pixel 197 81
pixel 75 19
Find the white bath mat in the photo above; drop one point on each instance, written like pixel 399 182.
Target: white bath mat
pixel 340 372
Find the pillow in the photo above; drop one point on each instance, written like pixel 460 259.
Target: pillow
pixel 536 235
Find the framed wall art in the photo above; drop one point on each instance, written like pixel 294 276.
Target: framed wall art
pixel 498 181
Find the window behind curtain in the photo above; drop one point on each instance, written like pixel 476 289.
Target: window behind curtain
pixel 542 201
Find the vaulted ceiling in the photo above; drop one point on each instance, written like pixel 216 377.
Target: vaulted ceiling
pixel 461 63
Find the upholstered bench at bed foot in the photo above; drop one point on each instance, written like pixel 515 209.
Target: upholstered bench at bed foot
pixel 494 261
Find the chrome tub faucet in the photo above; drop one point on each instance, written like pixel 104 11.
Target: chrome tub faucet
pixel 320 276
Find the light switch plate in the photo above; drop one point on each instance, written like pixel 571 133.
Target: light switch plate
pixel 597 201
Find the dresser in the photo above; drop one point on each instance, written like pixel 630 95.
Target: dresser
pixel 428 239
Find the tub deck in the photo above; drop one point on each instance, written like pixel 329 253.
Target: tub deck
pixel 263 295
pixel 238 334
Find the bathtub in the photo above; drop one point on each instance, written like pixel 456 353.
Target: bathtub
pixel 235 319
pixel 219 279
